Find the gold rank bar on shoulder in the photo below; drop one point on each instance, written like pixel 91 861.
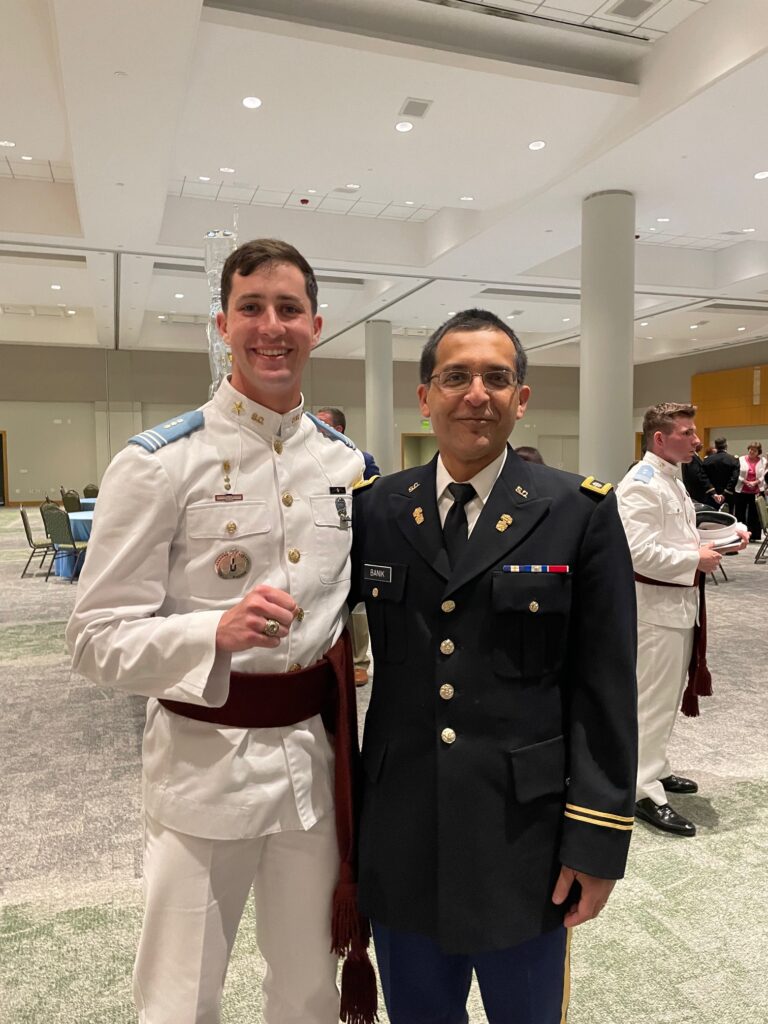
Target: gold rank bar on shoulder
pixel 595 486
pixel 602 818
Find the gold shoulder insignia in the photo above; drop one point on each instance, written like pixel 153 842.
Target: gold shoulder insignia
pixel 594 486
pixel 364 483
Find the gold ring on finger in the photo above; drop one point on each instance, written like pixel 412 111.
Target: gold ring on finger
pixel 271 627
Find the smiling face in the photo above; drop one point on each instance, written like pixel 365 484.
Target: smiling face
pixel 270 330
pixel 472 426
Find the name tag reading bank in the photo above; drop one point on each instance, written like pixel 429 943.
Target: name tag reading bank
pixel 377 573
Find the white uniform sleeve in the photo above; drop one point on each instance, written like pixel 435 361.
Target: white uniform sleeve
pixel 640 508
pixel 115 634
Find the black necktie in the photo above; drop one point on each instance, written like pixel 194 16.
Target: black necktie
pixel 455 530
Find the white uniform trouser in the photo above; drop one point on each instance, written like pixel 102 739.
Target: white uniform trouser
pixel 663 656
pixel 196 890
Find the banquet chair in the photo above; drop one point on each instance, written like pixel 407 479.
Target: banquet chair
pixel 90 491
pixel 36 546
pixel 762 512
pixel 71 500
pixel 60 533
pixel 46 504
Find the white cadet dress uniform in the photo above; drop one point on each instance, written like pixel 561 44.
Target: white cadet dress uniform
pixel 225 807
pixel 660 523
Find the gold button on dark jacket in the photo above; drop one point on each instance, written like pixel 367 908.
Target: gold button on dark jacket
pixel 448 606
pixel 447 647
pixel 448 736
pixel 446 691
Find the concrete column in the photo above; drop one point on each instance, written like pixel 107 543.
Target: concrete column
pixel 606 439
pixel 379 395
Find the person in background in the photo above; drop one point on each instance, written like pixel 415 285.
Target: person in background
pixel 215 585
pixel 530 454
pixel 747 482
pixel 357 620
pixel 499 749
pixel 669 562
pixel 700 488
pixel 720 467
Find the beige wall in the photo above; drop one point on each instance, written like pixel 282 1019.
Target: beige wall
pixel 68 410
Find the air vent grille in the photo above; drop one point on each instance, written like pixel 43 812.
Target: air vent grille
pixel 632 10
pixel 517 293
pixel 725 307
pixel 415 108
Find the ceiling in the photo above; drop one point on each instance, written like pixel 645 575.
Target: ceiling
pixel 131 142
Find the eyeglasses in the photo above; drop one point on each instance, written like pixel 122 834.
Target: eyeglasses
pixel 461 380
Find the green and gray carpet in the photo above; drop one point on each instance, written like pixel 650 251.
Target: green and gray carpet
pixel 684 939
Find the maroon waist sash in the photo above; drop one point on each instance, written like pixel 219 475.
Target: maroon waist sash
pixel 266 700
pixel 699 678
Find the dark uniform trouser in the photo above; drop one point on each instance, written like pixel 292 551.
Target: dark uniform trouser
pixel 526 984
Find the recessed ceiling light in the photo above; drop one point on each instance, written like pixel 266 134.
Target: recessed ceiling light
pixel 7 143
pixel 71 312
pixel 403 126
pixel 652 229
pixel 323 305
pixel 26 158
pixel 510 316
pixel 694 327
pixel 451 312
pixel 252 102
pixel 662 220
pixel 409 202
pixel 227 170
pixel 351 184
pixel 61 305
pixel 566 319
pixel 539 144
pixel 178 295
pixel 649 337
pixel 161 317
pixel 56 287
pixel 203 177
pixel 747 231
pixel 760 176
pixel 643 323
pixel 741 328
pixel 312 191
pixel 466 199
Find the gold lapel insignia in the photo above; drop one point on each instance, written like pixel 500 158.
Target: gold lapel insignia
pixel 505 521
pixel 413 487
pixel 519 490
pixel 418 515
pixel 237 407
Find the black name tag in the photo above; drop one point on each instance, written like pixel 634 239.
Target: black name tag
pixel 377 573
pixel 338 490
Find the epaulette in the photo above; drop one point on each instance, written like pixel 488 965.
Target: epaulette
pixel 154 438
pixel 364 483
pixel 593 486
pixel 645 473
pixel 335 435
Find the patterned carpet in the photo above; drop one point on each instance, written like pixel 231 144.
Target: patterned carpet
pixel 684 939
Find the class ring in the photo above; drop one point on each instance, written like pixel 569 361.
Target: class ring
pixel 271 627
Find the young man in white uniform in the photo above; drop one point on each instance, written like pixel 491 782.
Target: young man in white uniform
pixel 660 523
pixel 221 544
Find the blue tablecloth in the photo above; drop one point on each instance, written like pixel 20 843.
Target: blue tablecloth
pixel 81 523
pixel 87 504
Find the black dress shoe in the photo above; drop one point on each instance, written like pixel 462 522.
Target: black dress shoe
pixel 662 816
pixel 677 784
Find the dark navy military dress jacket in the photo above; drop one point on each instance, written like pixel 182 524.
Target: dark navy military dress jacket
pixel 500 741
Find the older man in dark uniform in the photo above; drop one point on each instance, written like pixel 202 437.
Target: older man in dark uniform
pixel 500 742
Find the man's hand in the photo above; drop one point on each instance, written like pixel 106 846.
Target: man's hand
pixel 242 627
pixel 709 559
pixel 719 498
pixel 594 895
pixel 744 533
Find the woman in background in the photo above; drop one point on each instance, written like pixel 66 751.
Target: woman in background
pixel 746 484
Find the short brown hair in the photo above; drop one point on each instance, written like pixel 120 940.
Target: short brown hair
pixel 264 251
pixel 755 444
pixel 662 417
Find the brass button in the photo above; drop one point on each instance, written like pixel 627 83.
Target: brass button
pixel 293 555
pixel 300 614
pixel 278 446
pixel 448 606
pixel 294 667
pixel 287 500
pixel 533 606
pixel 375 592
pixel 446 691
pixel 448 736
pixel 447 647
pixel 231 527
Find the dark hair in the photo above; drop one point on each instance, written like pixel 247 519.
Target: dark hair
pixel 470 320
pixel 662 417
pixel 755 444
pixel 721 443
pixel 252 255
pixel 338 417
pixel 530 454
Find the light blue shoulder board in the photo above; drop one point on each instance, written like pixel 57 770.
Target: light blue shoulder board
pixel 334 435
pixel 154 438
pixel 645 473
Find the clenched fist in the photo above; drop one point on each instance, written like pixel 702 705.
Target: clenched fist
pixel 242 627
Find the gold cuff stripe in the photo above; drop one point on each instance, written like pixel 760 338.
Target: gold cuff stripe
pixel 602 824
pixel 598 814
